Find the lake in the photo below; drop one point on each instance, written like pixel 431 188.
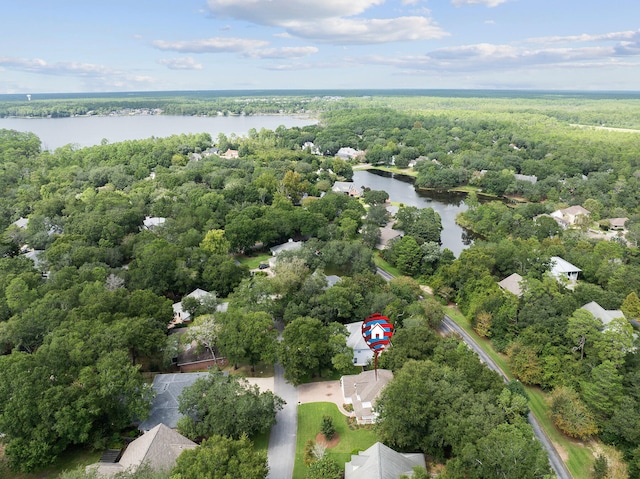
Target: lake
pixel 91 130
pixel 401 190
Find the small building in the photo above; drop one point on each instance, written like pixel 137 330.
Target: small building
pixel 512 284
pixel 361 391
pixel 563 270
pixel 533 179
pixel 605 316
pixel 387 234
pixel 617 223
pixel 230 154
pixel 164 408
pixel 21 223
pixel 382 462
pixel 151 223
pixel 182 316
pixel 362 354
pixel 346 187
pixel 158 448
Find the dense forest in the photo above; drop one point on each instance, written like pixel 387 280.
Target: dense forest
pixel 79 326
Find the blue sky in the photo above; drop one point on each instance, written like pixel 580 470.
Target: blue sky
pixel 139 45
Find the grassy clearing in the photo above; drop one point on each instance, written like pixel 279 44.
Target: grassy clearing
pixel 381 263
pixel 70 459
pixel 252 262
pixel 351 440
pixel 576 455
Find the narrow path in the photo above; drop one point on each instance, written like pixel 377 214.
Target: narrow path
pixel 554 458
pixel 282 441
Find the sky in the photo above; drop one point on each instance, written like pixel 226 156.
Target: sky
pixel 64 46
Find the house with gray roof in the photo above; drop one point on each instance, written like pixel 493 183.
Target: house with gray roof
pixel 604 315
pixel 21 223
pixel 382 462
pixel 361 391
pixel 362 354
pixel 180 315
pixel 530 178
pixel 346 187
pixel 153 222
pixel 288 246
pixel 570 216
pixel 512 284
pixel 158 448
pixel 164 408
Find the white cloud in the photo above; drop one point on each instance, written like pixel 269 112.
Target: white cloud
pixel 284 52
pixel 276 12
pixel 486 3
pixel 613 36
pixel 368 31
pixel 186 63
pixel 37 65
pixel 330 21
pixel 211 45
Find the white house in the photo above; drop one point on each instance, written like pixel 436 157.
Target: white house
pixel 563 270
pixel 152 222
pixel 362 354
pixel 288 246
pixel 182 316
pixel 570 216
pixel 346 153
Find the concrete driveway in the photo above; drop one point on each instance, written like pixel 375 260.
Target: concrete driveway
pixel 325 391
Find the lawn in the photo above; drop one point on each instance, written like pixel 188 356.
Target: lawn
pixel 351 440
pixel 381 263
pixel 70 459
pixel 577 457
pixel 252 262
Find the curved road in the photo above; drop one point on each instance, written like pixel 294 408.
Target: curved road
pixel 554 458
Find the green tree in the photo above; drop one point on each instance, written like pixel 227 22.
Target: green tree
pixel 631 306
pixel 583 329
pixel 214 242
pixel 603 391
pixel 325 468
pixel 222 457
pixel 228 406
pixel 327 427
pixel 571 415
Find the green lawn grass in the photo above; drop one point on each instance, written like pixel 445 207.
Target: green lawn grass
pixel 309 421
pixel 381 263
pixel 252 262
pixel 579 458
pixel 70 459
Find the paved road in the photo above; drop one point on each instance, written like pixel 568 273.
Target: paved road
pixel 282 441
pixel 554 458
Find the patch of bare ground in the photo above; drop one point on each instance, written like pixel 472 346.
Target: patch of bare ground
pixel 335 440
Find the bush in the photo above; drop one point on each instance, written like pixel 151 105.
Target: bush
pixel 327 428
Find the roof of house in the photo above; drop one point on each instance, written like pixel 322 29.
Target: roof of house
pixel 159 448
pixel 21 223
pixel 381 462
pixel 355 339
pixel 332 280
pixel 164 408
pixel 575 210
pixel 365 388
pixel 288 246
pixel 34 255
pixel 605 316
pixel 559 265
pixel 617 222
pixel 196 293
pixel 344 187
pixel 151 222
pixel 512 284
pixel 348 152
pixel 530 178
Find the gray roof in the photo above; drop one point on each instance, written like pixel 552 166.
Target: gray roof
pixel 381 462
pixel 21 223
pixel 159 448
pixel 177 307
pixel 362 353
pixel 512 284
pixel 288 246
pixel 559 265
pixel 164 409
pixel 605 316
pixel 362 389
pixel 530 178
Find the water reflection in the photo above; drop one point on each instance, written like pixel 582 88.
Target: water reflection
pixel 401 190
